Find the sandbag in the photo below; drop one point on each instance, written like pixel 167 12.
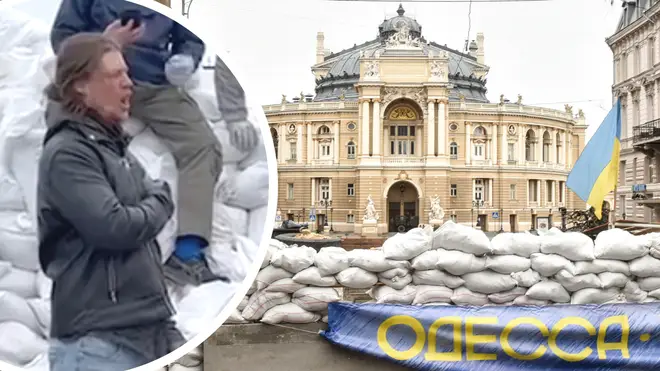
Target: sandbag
pixel 315 299
pixel 14 308
pixel 294 259
pixel 44 285
pixel 527 278
pixel 19 244
pixel 507 296
pixel 452 236
pixel 201 305
pixel 228 219
pixel 251 187
pixel 331 260
pixel 19 345
pixel 520 244
pixel 269 275
pixel 617 244
pixel 388 295
pixel 231 257
pixel 288 285
pixel 550 291
pixel 597 296
pixel 407 246
pixel 397 282
pixel 243 303
pixel 459 263
pixel 19 281
pixel 356 278
pixel 42 313
pixel 425 261
pixel 289 313
pixel 571 245
pixel 374 261
pixel 526 300
pixel 260 302
pixel 437 277
pixel 573 283
pixel 649 283
pixel 646 266
pixel 312 276
pixel 548 265
pixel 463 296
pixel 633 293
pixel 392 273
pixel 256 224
pixel 488 282
pixel 425 294
pixel 507 264
pixel 602 265
pixel 613 280
pixel 235 318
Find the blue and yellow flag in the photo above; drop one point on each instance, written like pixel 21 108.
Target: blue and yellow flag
pixel 596 170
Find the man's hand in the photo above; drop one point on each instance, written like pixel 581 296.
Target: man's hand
pixel 243 135
pixel 179 69
pixel 124 35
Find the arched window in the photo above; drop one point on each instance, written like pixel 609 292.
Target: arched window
pixel 351 149
pixel 530 140
pixel 324 130
pixel 558 148
pixel 479 131
pixel 547 142
pixel 273 134
pixel 453 150
pixel 479 144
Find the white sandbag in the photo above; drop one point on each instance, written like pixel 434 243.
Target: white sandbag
pixel 19 345
pixel 331 260
pixel 654 294
pixel 19 243
pixel 507 296
pixel 613 280
pixel 251 187
pixel 294 259
pixel 356 278
pixel 257 224
pixel 634 293
pixel 230 219
pixel 42 313
pixel 312 276
pixel 432 294
pixel 260 302
pixel 19 281
pixel 602 265
pixel 649 283
pixel 435 277
pixel 289 313
pixel 550 291
pixel 526 300
pixel 288 285
pixel 374 261
pixel 44 285
pixel 520 244
pixel 14 308
pixel 405 246
pixel 488 282
pixel 201 306
pixel 324 319
pixel 527 278
pixel 235 318
pixel 459 263
pixel 573 283
pixel 597 296
pixel 507 264
pixel 397 282
pixel 452 236
pixel 425 261
pixel 243 303
pixel 548 265
pixel 41 363
pixel 231 257
pixel 11 195
pixel 269 275
pixel 273 246
pixel 463 296
pixel 646 266
pixel 574 246
pixel 388 295
pixel 617 244
pixel 315 299
pixel 392 273
pixel 436 304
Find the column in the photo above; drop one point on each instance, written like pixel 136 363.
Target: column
pixel 490 192
pixel 419 142
pixel 553 148
pixel 504 145
pixel 386 141
pixel 442 128
pixel 364 128
pixel 521 145
pixel 562 153
pixel 494 144
pixel 569 159
pixel 377 137
pixel 299 143
pixel 554 194
pixel 539 148
pixel 310 146
pixel 430 124
pixel 335 154
pixel 647 170
pixel 538 192
pixel 468 141
pixel 281 137
pixel 313 192
pixel 330 188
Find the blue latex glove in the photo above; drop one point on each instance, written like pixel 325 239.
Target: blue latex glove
pixel 179 69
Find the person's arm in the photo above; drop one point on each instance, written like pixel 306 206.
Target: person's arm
pixel 71 18
pixel 81 193
pixel 185 42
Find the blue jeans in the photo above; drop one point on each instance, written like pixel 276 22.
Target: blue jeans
pixel 90 353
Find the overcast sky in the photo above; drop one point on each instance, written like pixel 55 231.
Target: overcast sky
pixel 551 52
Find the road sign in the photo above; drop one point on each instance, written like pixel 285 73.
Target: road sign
pixel 312 218
pixel 496 214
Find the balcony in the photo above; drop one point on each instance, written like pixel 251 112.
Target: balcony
pixel 646 133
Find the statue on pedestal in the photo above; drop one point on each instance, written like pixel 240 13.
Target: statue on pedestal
pixel 370 214
pixel 437 213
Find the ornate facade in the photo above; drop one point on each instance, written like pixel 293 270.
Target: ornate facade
pixel 405 123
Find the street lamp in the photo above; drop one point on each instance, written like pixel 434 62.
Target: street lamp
pixel 331 227
pixel 325 202
pixel 477 203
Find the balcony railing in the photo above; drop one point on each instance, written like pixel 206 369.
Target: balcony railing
pixel 646 132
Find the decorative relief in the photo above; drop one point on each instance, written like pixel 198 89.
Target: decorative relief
pixel 372 69
pixel 292 128
pixel 453 126
pixel 351 126
pixel 402 113
pixel 402 39
pixel 416 94
pixel 512 129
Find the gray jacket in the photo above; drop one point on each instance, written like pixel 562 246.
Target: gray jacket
pixel 98 216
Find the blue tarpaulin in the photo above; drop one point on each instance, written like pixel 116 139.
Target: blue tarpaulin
pixel 502 338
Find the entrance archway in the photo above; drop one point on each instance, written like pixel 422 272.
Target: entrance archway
pixel 402 207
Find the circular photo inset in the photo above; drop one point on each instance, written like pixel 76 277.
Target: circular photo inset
pixel 135 179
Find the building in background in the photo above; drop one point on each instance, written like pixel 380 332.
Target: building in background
pixel 401 120
pixel 636 72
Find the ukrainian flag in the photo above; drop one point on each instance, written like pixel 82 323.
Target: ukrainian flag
pixel 596 170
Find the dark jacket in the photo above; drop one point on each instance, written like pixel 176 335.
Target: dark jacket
pixel 99 215
pixel 146 58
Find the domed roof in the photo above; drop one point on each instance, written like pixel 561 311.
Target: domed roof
pixel 393 25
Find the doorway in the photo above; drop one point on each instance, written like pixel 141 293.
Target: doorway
pixel 513 222
pixel 320 222
pixel 402 207
pixel 482 222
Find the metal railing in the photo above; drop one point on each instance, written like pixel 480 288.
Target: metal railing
pixel 646 131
